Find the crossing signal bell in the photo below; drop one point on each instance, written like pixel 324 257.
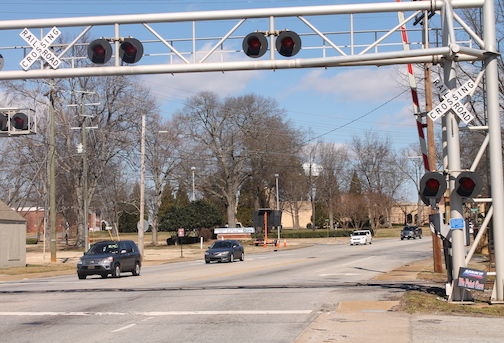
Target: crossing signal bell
pixel 468 184
pixel 255 44
pixel 130 51
pixel 432 187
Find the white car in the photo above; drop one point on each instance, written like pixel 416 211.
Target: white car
pixel 361 237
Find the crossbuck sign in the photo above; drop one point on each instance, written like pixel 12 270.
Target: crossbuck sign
pixel 40 48
pixel 453 101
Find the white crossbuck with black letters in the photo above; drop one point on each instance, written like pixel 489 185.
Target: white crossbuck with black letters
pixel 453 101
pixel 40 48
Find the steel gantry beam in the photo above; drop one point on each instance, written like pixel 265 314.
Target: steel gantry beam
pixel 370 52
pixel 341 47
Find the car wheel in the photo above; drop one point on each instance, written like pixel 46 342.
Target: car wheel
pixel 136 271
pixel 104 276
pixel 207 261
pixel 81 276
pixel 231 258
pixel 116 272
pixel 242 256
pixel 419 237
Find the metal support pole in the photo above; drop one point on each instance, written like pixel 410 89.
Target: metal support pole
pixel 193 197
pixel 52 174
pixel 456 206
pixel 277 205
pixel 85 183
pixel 142 190
pixel 495 146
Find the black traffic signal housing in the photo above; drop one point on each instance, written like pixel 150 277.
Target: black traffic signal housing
pixel 4 122
pixel 131 50
pixel 255 44
pixel 288 43
pixel 19 121
pixel 432 187
pixel 468 184
pixel 99 51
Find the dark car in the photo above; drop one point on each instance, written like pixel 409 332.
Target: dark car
pixel 225 251
pixel 110 257
pixel 411 232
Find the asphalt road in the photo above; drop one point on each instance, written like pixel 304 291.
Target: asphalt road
pixel 269 297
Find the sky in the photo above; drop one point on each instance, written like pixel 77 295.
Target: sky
pixel 332 105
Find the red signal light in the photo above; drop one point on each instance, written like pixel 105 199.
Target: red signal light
pixel 99 51
pixel 131 50
pixel 288 43
pixel 431 187
pixel 20 121
pixel 255 44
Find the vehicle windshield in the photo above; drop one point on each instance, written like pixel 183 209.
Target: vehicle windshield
pixel 359 233
pixel 409 229
pixel 103 248
pixel 221 244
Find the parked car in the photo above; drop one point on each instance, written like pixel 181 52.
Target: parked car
pixel 361 237
pixel 110 257
pixel 225 251
pixel 411 232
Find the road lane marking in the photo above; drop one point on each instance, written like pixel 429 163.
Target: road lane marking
pixel 271 266
pixel 159 314
pixel 124 328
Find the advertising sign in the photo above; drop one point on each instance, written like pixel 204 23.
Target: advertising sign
pixel 472 279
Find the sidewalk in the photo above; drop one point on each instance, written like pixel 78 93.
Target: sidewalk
pixel 377 322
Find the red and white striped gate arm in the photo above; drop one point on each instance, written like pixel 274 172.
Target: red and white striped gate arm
pixel 414 95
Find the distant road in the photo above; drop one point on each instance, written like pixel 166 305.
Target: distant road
pixel 269 297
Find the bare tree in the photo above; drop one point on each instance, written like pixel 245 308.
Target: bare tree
pixel 333 160
pixel 376 163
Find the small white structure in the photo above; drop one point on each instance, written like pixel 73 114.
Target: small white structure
pixel 12 238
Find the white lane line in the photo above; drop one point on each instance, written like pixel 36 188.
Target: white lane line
pixel 158 314
pixel 124 328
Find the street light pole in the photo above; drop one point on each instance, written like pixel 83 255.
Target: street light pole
pixel 277 198
pixel 193 198
pixel 277 206
pixel 417 184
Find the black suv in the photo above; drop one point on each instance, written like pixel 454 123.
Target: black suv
pixel 411 232
pixel 110 257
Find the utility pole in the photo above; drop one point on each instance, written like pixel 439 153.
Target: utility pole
pixel 85 166
pixel 193 197
pixel 52 174
pixel 431 145
pixel 142 189
pixel 85 182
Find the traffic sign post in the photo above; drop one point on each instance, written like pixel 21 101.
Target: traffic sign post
pixel 40 48
pixel 180 234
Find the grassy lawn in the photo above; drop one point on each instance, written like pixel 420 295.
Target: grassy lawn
pixel 35 268
pixel 420 302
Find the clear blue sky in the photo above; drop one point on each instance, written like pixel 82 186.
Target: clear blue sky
pixel 319 100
